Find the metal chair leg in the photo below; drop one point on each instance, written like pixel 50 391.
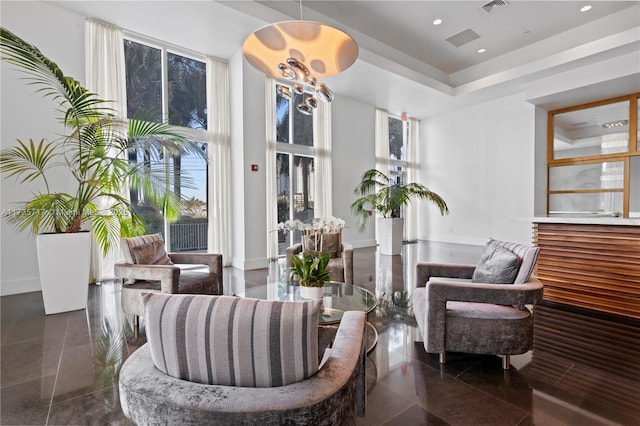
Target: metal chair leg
pixel 442 357
pixel 136 326
pixel 506 362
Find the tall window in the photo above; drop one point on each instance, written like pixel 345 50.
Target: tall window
pixel 398 131
pixel 294 165
pixel 163 85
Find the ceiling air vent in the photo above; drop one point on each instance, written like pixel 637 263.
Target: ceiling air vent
pixel 463 37
pixel 495 3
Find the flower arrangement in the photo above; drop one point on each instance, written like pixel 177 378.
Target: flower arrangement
pixel 312 233
pixel 311 264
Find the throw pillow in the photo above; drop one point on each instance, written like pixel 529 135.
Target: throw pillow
pixel 152 253
pixel 128 243
pixel 497 265
pixel 527 254
pixel 232 341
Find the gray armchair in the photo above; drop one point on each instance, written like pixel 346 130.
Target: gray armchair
pixel 456 314
pixel 340 265
pixel 190 273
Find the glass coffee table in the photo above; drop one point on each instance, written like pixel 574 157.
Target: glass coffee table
pixel 337 299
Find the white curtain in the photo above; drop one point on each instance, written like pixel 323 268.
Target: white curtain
pixel 323 206
pixel 270 166
pixel 382 140
pixel 413 171
pixel 105 75
pixel 219 159
pixel 382 145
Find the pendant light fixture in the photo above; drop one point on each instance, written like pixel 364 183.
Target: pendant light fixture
pixel 302 52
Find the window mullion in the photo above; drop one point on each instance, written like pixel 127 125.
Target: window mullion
pixel 165 119
pixel 165 86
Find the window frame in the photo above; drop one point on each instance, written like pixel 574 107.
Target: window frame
pixel 403 164
pixel 293 150
pixel 633 151
pixel 196 135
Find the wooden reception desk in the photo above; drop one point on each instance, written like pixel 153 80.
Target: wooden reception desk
pixel 591 263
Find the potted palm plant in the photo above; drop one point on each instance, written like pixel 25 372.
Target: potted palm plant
pixel 380 194
pixel 91 155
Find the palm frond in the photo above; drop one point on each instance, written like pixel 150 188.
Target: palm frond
pixel 94 152
pixel 28 162
pixel 379 193
pixel 44 73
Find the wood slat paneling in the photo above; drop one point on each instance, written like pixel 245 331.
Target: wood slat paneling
pixel 599 353
pixel 590 266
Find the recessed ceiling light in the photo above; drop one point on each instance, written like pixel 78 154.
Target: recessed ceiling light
pixel 612 124
pixel 482 50
pixel 437 22
pixel 585 8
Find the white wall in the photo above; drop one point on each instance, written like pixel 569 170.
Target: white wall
pixel 59 35
pixel 480 160
pixel 352 152
pixel 255 184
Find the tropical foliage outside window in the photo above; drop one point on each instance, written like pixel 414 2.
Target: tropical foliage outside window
pixel 152 72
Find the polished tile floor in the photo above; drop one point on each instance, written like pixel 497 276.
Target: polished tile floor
pixel 584 369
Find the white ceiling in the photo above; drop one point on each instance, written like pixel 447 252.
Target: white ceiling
pixel 407 25
pixel 405 64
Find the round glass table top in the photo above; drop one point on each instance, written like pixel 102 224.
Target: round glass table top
pixel 337 298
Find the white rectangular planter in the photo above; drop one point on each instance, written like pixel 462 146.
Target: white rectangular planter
pixel 63 260
pixel 390 233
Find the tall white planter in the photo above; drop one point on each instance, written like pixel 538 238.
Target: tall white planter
pixel 390 233
pixel 63 260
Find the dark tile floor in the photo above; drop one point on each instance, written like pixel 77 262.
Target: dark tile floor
pixel 62 369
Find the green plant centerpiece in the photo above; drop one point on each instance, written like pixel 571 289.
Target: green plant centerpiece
pixel 380 194
pixel 93 153
pixel 310 269
pixel 310 266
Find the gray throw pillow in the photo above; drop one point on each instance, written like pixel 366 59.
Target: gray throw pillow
pixel 152 253
pixel 497 265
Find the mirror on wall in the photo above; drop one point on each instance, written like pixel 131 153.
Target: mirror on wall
pixel 591 131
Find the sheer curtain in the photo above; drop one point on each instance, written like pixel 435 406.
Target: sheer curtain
pixel 105 75
pixel 413 155
pixel 322 142
pixel 382 144
pixel 382 140
pixel 219 159
pixel 270 166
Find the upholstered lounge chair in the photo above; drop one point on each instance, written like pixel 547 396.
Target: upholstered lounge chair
pixel 340 265
pixel 259 366
pixel 456 314
pixel 148 268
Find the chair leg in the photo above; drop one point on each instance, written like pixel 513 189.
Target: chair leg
pixel 442 357
pixel 506 362
pixel 136 326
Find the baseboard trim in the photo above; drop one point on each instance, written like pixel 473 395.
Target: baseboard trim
pixel 25 285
